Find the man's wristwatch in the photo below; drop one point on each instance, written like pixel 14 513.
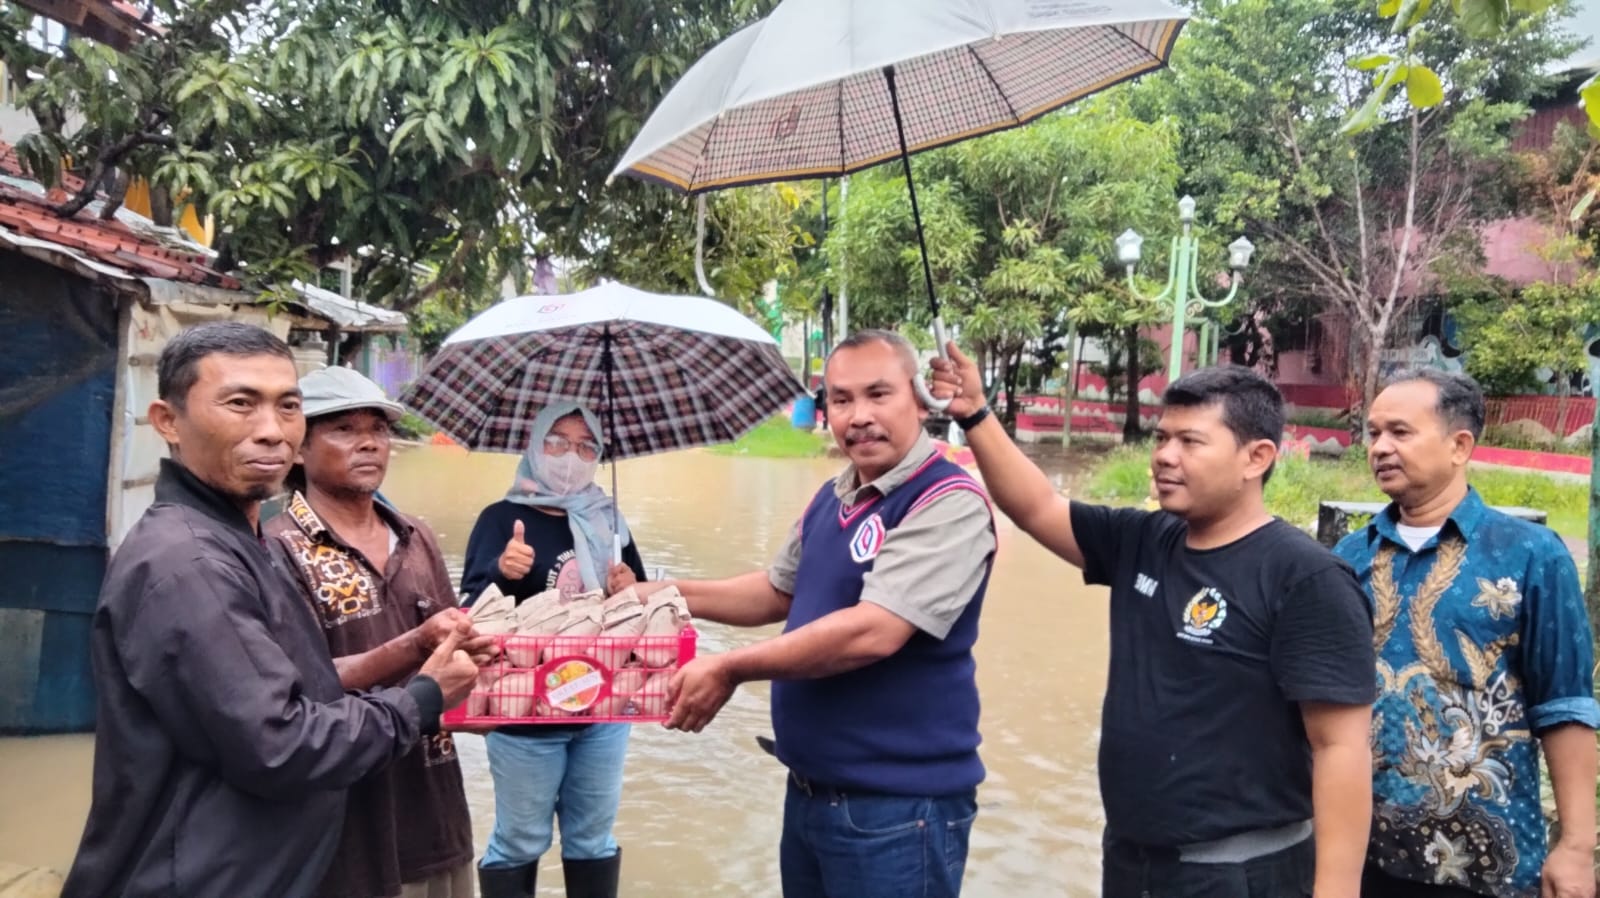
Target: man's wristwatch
pixel 974 419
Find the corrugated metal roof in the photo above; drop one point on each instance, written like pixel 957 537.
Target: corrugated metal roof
pixel 349 314
pixel 131 252
pixel 129 244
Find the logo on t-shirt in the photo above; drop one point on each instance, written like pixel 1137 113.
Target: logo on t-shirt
pixel 868 540
pixel 1203 615
pixel 565 575
pixel 1145 585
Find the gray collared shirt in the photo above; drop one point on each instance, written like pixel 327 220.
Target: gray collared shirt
pixel 930 565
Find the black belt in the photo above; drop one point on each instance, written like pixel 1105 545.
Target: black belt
pixel 1235 849
pixel 814 789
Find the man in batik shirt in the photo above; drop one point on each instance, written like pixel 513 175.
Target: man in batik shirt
pixel 1484 657
pixel 377 583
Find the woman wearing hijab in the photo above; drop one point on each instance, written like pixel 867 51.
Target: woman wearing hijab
pixel 553 530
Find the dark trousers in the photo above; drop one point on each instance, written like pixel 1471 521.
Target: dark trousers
pixel 1377 884
pixel 1135 871
pixel 840 844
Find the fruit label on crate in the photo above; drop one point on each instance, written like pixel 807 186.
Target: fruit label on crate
pixel 573 685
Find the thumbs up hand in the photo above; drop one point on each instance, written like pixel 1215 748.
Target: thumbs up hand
pixel 517 559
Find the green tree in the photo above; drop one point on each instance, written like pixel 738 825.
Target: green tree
pixel 1050 199
pixel 1356 223
pixel 874 244
pixel 442 139
pixel 1521 337
pixel 1423 89
pixel 753 235
pixel 1019 228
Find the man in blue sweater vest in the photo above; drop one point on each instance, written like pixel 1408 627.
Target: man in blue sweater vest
pixel 874 700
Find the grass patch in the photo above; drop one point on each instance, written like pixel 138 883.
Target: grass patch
pixel 1122 477
pixel 776 438
pixel 412 427
pixel 1298 485
pixel 1566 501
pixel 1512 438
pixel 1317 417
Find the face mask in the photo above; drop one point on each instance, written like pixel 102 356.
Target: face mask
pixel 567 474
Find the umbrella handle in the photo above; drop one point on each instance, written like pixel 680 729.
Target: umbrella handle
pixel 921 386
pixel 932 404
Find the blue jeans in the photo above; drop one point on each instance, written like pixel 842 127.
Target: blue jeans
pixel 574 774
pixel 840 844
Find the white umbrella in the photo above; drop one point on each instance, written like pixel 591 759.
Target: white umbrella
pixel 628 307
pixel 827 87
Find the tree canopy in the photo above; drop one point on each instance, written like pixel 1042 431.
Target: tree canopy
pixel 442 145
pixel 1352 222
pixel 440 141
pixel 1019 229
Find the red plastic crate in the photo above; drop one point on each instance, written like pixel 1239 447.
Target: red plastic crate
pixel 576 679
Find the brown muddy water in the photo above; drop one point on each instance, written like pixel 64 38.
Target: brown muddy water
pixel 701 813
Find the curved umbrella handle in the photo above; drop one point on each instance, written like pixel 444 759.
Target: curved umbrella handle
pixel 926 395
pixel 921 385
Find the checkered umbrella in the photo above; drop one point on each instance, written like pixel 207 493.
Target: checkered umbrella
pixel 823 88
pixel 683 371
pixel 803 93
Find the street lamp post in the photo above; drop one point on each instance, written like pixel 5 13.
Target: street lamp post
pixel 1183 287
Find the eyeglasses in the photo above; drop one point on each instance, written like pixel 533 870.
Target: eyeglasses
pixel 555 444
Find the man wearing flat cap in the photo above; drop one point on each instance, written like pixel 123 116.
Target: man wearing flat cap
pixel 377 584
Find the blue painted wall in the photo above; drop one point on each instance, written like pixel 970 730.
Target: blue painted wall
pixel 57 383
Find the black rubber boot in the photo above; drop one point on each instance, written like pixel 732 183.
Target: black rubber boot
pixel 593 879
pixel 507 882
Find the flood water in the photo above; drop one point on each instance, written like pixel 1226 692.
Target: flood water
pixel 701 813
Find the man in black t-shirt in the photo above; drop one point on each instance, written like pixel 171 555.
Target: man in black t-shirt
pixel 1237 714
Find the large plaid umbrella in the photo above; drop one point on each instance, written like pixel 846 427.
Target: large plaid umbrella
pixel 823 88
pixel 662 372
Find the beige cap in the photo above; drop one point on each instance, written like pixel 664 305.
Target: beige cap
pixel 329 391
